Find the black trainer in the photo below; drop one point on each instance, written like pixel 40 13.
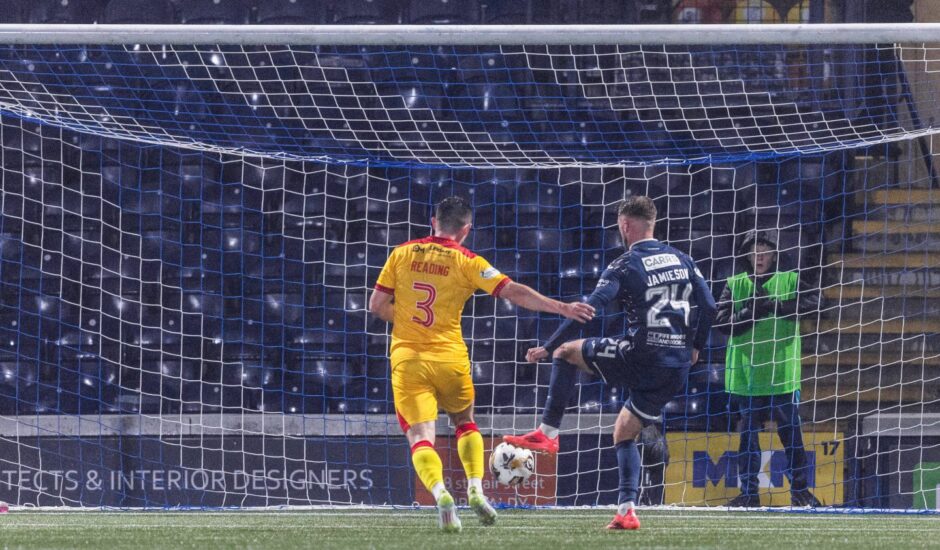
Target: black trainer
pixel 745 501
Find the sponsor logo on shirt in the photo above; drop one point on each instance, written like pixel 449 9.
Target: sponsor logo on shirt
pixel 660 261
pixel 489 273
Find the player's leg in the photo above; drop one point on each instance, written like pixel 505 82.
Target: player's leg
pixel 457 394
pixel 416 407
pixel 430 470
pixel 786 409
pixel 626 428
pixel 751 410
pixel 566 361
pixel 651 387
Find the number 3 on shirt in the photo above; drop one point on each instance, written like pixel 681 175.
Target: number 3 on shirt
pixel 425 305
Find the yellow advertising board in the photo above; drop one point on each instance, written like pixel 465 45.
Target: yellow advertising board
pixel 703 468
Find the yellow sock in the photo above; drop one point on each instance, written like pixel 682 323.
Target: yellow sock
pixel 428 465
pixel 470 449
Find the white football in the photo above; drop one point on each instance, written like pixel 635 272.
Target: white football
pixel 511 465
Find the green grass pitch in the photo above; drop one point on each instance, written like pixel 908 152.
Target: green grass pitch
pixel 413 529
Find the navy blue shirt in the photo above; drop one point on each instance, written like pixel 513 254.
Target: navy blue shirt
pixel 669 306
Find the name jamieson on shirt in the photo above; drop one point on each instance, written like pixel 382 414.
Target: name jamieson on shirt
pixel 657 279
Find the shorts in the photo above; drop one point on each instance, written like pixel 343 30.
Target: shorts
pixel 651 386
pixel 420 387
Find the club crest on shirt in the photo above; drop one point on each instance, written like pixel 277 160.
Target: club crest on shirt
pixel 489 273
pixel 660 261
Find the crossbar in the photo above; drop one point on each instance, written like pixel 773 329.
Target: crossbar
pixel 457 35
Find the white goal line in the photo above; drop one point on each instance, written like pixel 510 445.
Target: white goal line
pixel 456 35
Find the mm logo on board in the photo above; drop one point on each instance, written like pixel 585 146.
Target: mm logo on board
pixel 703 468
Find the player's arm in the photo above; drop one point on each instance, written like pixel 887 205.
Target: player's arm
pixel 707 311
pixel 607 289
pixel 526 297
pixel 488 279
pixel 381 302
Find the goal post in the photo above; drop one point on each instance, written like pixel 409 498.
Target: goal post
pixel 192 218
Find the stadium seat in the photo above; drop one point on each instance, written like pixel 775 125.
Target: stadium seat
pixel 18 389
pixel 507 12
pixel 292 12
pixel 118 12
pixel 505 390
pixel 723 222
pixel 211 399
pixel 367 12
pixel 351 398
pixel 378 397
pixel 483 373
pixel 65 11
pixel 440 12
pixel 213 12
pixel 14 11
pixel 483 102
pixel 592 395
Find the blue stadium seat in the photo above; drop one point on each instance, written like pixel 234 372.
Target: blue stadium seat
pixel 378 397
pixel 213 12
pixel 118 12
pixel 351 398
pixel 592 396
pixel 65 11
pixel 367 12
pixel 18 386
pixel 291 396
pixel 292 12
pixel 485 102
pixel 504 394
pixel 440 12
pixel 510 12
pixel 211 399
pixel 606 12
pixel 190 384
pixel 14 11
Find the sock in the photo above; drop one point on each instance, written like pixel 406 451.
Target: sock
pixel 560 388
pixel 470 450
pixel 429 467
pixel 438 490
pixel 476 484
pixel 550 432
pixel 625 507
pixel 628 459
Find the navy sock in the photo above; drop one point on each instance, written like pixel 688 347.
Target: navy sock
pixel 560 388
pixel 628 458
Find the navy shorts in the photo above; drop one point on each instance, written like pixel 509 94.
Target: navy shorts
pixel 651 386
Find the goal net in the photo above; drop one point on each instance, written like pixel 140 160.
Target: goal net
pixel 189 234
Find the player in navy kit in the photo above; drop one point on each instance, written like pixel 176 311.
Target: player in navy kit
pixel 669 309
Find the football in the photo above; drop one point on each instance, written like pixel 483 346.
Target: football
pixel 511 465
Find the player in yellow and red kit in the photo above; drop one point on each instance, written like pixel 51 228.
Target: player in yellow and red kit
pixel 422 290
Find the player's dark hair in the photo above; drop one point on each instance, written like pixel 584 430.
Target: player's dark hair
pixel 639 207
pixel 452 213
